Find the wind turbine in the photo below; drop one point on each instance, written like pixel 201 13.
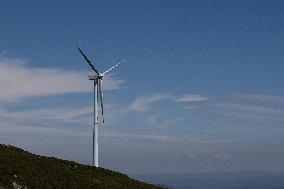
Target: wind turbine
pixel 97 77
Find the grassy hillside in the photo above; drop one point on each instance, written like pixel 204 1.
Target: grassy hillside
pixel 19 167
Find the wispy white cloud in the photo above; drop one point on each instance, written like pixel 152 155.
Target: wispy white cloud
pixel 262 97
pixel 191 98
pixel 143 103
pixel 254 107
pixel 61 117
pixel 63 114
pixel 162 122
pixel 145 136
pixel 249 108
pixel 240 115
pixel 166 137
pixel 18 81
pixel 16 129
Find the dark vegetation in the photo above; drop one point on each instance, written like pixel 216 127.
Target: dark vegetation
pixel 33 171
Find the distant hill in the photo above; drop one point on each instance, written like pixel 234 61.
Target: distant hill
pixel 21 169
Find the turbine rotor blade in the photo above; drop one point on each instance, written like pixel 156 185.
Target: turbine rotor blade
pixel 113 67
pixel 98 90
pixel 89 62
pixel 101 97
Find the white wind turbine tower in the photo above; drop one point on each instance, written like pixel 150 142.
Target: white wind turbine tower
pixel 98 87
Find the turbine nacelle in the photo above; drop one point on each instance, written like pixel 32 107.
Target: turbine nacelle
pixel 94 77
pixel 100 76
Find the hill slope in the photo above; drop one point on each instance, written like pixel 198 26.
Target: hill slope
pixel 19 167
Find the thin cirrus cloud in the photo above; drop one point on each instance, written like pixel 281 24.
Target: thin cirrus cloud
pixel 30 129
pixel 262 97
pixel 59 114
pixel 139 136
pixel 191 98
pixel 249 108
pixel 18 81
pixel 161 122
pixel 144 103
pixel 257 107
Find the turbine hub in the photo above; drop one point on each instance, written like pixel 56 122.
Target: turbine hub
pixel 94 77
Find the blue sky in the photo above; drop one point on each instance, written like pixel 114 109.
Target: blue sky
pixel 201 91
